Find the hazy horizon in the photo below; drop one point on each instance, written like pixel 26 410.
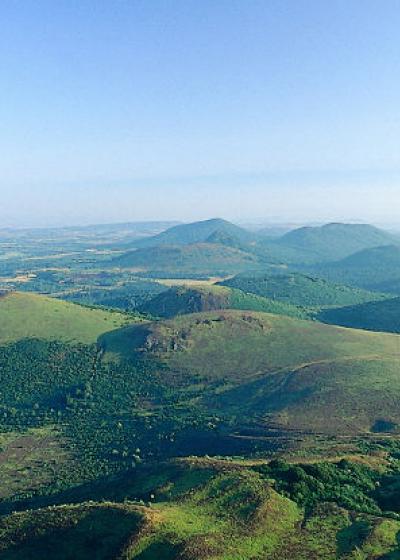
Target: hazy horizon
pixel 267 205
pixel 254 223
pixel 132 111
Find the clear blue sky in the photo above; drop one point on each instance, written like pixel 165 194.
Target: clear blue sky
pixel 145 109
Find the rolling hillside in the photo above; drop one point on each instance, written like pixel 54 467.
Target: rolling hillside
pixel 299 375
pixel 205 510
pixel 300 289
pixel 331 241
pixel 200 259
pixel 95 435
pixel 183 300
pixel 27 315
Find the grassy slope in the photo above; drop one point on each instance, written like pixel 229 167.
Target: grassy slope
pixel 261 342
pixel 24 315
pixel 282 371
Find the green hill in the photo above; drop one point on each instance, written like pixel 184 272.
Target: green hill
pixel 27 315
pixel 216 510
pixel 371 269
pixel 381 316
pixel 183 300
pixel 299 289
pixel 298 375
pixel 332 241
pixel 216 383
pixel 196 232
pixel 200 259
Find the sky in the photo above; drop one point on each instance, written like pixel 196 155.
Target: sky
pixel 124 110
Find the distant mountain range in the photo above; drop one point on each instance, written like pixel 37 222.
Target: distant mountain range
pixel 218 247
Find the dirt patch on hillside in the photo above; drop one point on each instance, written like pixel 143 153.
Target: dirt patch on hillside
pixel 27 461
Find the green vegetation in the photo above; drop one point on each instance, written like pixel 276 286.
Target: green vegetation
pixel 259 342
pixel 103 531
pixel 177 390
pixel 120 290
pixel 25 315
pixel 372 269
pixel 299 289
pixel 196 232
pixel 128 297
pixel 70 417
pixel 223 426
pixel 373 316
pixel 196 260
pixel 217 511
pixel 332 241
pixel 349 485
pixel 294 375
pixel 73 418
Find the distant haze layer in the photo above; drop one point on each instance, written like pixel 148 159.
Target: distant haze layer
pixel 71 205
